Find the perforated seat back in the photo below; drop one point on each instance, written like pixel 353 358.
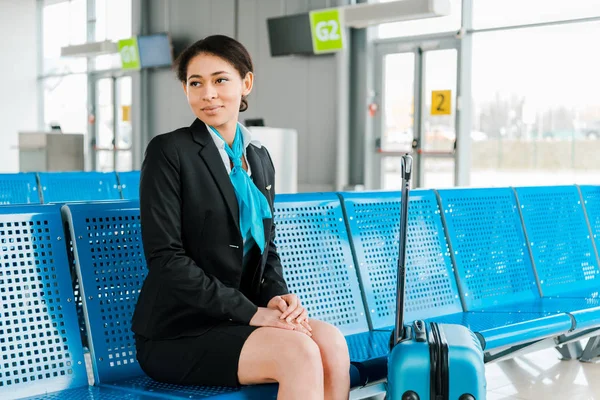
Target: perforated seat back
pixel 591 201
pixel 111 268
pixel 129 183
pixel 19 189
pixel 559 237
pixel 312 242
pixel 40 346
pixel 430 284
pixel 489 247
pixel 78 186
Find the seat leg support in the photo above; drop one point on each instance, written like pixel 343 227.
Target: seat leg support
pixel 570 351
pixel 591 351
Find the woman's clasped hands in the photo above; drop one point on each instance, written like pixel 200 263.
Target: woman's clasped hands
pixel 285 312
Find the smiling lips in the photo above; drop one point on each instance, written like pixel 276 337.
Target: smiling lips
pixel 211 110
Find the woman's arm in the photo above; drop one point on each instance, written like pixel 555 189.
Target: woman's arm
pixel 273 283
pixel 160 206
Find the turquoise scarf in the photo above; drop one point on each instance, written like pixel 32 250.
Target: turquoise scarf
pixel 253 205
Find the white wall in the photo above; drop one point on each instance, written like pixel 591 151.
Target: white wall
pixel 298 92
pixel 18 72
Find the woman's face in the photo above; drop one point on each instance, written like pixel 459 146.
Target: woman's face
pixel 214 89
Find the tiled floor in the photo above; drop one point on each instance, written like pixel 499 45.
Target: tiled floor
pixel 542 375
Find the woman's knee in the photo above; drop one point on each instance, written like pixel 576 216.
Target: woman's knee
pixel 280 355
pixel 332 344
pixel 327 335
pixel 303 353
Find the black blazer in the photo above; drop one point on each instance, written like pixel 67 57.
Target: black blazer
pixel 192 239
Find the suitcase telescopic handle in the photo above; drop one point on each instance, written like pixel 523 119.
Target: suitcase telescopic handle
pixel 406 168
pixel 406 173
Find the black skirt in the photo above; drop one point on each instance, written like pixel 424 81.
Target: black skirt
pixel 210 359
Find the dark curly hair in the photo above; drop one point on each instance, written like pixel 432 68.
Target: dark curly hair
pixel 221 46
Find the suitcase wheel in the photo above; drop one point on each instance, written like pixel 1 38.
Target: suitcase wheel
pixel 410 395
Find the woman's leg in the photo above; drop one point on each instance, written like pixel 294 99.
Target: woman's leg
pixel 290 358
pixel 336 360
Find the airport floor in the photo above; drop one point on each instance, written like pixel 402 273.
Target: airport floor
pixel 535 376
pixel 542 375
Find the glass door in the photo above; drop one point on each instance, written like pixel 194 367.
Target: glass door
pixel 111 120
pixel 104 125
pixel 123 140
pixel 436 148
pixel 397 117
pixel 418 84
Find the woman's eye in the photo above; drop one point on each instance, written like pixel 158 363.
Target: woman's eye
pixel 221 80
pixel 195 84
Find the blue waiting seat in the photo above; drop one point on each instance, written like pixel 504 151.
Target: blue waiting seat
pixel 129 183
pixel 562 250
pixel 60 187
pixel 318 266
pixel 313 244
pixel 591 201
pixel 562 246
pixel 19 189
pixel 111 269
pixel 431 289
pixel 492 257
pixel 40 348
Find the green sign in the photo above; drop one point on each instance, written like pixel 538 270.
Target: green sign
pixel 326 31
pixel 130 56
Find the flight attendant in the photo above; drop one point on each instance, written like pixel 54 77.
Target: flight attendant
pixel 215 309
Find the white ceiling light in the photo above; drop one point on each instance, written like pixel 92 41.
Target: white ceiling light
pixel 89 49
pixel 367 14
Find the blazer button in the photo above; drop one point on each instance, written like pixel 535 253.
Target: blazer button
pixel 262 280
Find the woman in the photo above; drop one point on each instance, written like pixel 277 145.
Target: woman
pixel 215 309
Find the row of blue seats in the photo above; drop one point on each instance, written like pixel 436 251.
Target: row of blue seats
pixel 57 187
pixel 519 267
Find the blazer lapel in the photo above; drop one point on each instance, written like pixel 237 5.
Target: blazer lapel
pixel 258 176
pixel 258 171
pixel 210 154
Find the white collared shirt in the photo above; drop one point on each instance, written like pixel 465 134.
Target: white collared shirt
pixel 220 143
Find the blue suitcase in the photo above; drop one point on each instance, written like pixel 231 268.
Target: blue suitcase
pixel 430 361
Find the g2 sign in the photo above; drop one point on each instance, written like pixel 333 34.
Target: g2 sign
pixel 128 49
pixel 326 31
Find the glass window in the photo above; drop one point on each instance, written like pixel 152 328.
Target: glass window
pixel 105 125
pixel 439 131
pixel 113 19
pixel 124 132
pixel 64 24
pixel 498 13
pixel 536 114
pixel 398 100
pixel 398 114
pixel 425 26
pixel 107 61
pixel 113 22
pixel 65 103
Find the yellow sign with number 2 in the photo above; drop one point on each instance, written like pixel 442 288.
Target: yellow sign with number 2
pixel 441 102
